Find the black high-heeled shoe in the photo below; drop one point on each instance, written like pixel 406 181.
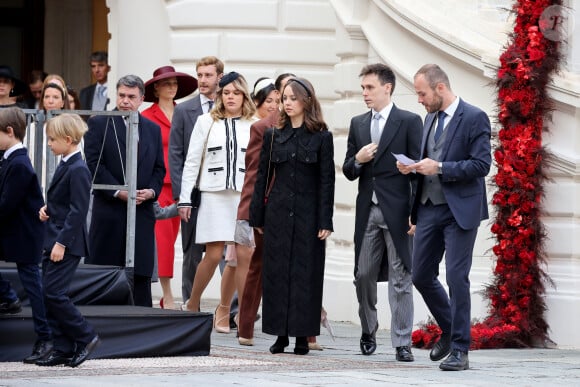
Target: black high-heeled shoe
pixel 301 347
pixel 281 343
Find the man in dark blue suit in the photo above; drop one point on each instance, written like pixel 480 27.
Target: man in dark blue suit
pixel 65 242
pixel 105 152
pixel 449 205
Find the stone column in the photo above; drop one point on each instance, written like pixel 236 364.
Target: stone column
pixel 352 50
pixel 573 47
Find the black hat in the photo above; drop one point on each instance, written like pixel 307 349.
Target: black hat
pixel 19 86
pixel 228 78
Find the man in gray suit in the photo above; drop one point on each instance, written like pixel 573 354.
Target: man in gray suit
pixel 383 206
pixel 209 71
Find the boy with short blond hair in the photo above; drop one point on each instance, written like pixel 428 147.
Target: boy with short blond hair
pixel 65 242
pixel 21 233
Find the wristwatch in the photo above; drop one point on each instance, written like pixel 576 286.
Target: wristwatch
pixel 440 168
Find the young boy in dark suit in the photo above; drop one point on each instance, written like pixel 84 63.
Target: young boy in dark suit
pixel 21 233
pixel 65 242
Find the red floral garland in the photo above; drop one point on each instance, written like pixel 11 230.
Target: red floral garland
pixel 516 294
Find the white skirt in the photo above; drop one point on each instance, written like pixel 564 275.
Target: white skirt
pixel 216 217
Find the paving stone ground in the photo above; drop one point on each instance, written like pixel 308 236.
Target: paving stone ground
pixel 338 364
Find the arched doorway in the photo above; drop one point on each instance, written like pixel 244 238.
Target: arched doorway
pixel 56 36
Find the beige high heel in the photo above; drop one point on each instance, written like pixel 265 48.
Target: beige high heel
pixel 244 341
pixel 216 321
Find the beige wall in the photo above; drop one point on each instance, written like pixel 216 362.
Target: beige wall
pixel 466 38
pixel 328 41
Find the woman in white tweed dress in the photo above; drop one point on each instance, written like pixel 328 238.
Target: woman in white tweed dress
pixel 217 156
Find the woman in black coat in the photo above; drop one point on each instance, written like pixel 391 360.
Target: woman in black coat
pixel 297 218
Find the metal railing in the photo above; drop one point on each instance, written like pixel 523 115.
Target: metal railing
pixel 44 162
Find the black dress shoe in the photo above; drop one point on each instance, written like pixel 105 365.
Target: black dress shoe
pixel 456 361
pixel 404 354
pixel 441 348
pixel 10 307
pixel 40 350
pixel 54 358
pixel 82 353
pixel 301 347
pixel 281 343
pixel 368 342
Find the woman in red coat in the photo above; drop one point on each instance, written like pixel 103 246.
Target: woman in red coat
pixel 166 86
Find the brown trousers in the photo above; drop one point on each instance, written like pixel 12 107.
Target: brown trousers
pixel 252 291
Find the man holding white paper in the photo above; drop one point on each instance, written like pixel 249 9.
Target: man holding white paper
pixel 383 206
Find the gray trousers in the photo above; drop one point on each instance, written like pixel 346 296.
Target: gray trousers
pixel 376 239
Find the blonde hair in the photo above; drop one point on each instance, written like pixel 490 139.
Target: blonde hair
pixel 51 78
pixel 67 125
pixel 248 107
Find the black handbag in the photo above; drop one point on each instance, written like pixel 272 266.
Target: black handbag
pixel 195 197
pixel 267 190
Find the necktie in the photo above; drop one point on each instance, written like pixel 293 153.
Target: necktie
pixel 375 138
pixel 100 99
pixel 375 129
pixel 209 105
pixel 440 123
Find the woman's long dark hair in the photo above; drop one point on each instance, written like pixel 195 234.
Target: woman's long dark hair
pixel 303 90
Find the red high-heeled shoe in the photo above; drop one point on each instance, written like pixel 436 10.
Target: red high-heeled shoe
pixel 161 303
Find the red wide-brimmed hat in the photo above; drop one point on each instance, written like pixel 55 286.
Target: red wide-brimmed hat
pixel 186 84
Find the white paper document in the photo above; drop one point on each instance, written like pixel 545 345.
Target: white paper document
pixel 403 159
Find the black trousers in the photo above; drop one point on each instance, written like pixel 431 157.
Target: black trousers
pixel 68 325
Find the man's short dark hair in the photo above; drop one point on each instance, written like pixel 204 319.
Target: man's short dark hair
pixel 100 56
pixel 383 72
pixel 132 81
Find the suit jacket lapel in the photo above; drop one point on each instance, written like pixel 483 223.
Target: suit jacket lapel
pixel 61 170
pixel 116 126
pixel 6 163
pixel 142 146
pixel 426 130
pixel 160 116
pixel 284 134
pixel 451 128
pixel 365 130
pixel 195 111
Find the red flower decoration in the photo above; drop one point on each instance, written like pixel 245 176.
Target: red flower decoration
pixel 516 294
